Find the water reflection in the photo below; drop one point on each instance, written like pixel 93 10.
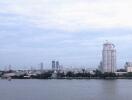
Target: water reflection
pixel 109 90
pixel 66 90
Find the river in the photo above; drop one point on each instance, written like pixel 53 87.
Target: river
pixel 120 89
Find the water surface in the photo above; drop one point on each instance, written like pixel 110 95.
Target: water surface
pixel 66 90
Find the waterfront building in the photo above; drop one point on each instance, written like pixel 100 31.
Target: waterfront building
pixel 128 66
pixel 54 74
pixel 108 58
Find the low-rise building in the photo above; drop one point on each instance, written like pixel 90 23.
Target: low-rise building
pixel 128 66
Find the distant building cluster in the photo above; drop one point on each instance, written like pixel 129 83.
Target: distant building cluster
pixel 107 65
pixel 55 65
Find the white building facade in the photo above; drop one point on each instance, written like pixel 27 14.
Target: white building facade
pixel 108 58
pixel 128 66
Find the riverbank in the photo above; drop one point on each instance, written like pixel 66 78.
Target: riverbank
pixel 78 78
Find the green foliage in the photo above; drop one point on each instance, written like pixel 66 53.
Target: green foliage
pixel 70 74
pixel 128 74
pixel 109 75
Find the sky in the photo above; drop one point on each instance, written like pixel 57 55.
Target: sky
pixel 71 31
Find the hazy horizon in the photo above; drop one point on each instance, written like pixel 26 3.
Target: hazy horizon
pixel 70 31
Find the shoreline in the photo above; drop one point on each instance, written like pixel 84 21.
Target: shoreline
pixel 95 78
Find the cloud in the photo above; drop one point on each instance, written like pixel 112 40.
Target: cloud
pixel 73 14
pixel 71 31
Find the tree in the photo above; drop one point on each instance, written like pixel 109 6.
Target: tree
pixel 70 74
pixel 109 75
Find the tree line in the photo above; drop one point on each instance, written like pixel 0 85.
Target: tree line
pixel 71 75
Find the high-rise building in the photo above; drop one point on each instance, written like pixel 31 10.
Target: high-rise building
pixel 100 66
pixel 41 66
pixel 57 65
pixel 108 58
pixel 53 65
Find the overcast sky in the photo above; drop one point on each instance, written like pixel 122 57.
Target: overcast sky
pixel 71 31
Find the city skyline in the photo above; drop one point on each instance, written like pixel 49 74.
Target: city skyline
pixel 108 61
pixel 70 31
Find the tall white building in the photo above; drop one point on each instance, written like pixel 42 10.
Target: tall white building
pixel 108 58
